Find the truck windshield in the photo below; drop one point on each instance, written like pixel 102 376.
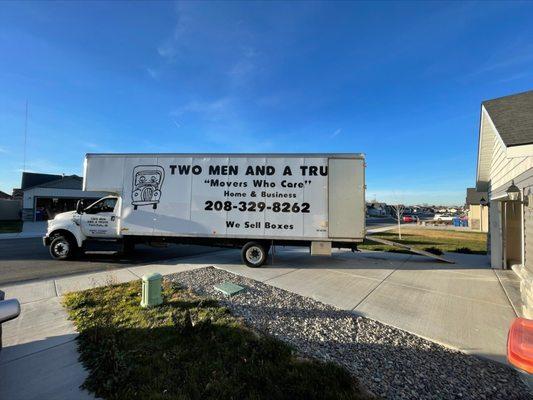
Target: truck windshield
pixel 101 206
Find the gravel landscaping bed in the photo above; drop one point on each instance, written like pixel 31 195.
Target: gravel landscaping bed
pixel 390 362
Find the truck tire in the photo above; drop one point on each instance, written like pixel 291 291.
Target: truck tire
pixel 254 254
pixel 62 248
pixel 128 247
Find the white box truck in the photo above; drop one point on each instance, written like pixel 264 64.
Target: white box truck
pixel 250 201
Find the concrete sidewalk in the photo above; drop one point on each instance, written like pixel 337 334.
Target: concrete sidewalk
pixel 463 306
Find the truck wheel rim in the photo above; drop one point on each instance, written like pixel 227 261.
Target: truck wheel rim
pixel 61 248
pixel 254 255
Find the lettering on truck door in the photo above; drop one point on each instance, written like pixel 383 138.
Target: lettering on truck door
pixel 100 219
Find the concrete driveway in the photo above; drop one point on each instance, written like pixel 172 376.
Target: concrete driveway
pixel 462 305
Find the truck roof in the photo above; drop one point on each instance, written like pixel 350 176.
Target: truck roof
pixel 269 155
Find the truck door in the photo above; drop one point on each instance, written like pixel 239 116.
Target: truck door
pixel 100 218
pixel 346 187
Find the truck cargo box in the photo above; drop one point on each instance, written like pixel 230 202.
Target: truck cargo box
pixel 312 197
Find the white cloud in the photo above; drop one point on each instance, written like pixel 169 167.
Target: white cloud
pixel 91 145
pixel 211 111
pixel 513 57
pixel 154 74
pixel 222 127
pixel 245 67
pixel 335 133
pixel 46 166
pixel 514 77
pixel 169 49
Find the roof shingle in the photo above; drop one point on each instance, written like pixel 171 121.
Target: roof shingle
pixel 513 117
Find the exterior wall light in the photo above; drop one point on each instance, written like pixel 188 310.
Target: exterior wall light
pixel 483 202
pixel 513 193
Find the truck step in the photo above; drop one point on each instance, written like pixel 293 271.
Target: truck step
pixel 95 245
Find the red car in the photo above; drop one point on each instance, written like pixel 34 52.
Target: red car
pixel 408 218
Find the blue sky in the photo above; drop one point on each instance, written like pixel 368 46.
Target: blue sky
pixel 400 82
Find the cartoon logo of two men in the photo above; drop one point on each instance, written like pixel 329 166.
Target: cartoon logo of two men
pixel 147 183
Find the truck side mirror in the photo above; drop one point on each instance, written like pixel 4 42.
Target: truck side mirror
pixel 79 206
pixel 9 309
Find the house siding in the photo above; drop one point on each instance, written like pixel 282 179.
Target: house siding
pixel 526 272
pixel 503 170
pixel 478 217
pixel 486 146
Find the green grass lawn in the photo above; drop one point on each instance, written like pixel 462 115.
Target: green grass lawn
pixel 10 226
pixel 444 240
pixel 189 348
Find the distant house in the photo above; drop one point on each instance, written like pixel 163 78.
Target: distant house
pixel 478 212
pixel 376 209
pixel 45 195
pixel 505 171
pixel 17 194
pixel 9 208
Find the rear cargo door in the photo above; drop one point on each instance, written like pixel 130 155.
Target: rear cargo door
pixel 346 198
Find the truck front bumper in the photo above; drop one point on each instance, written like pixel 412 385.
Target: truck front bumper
pixel 46 240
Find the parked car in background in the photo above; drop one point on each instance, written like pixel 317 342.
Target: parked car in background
pixel 409 218
pixel 443 217
pixel 9 309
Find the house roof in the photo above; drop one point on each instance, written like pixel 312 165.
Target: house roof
pixel 513 117
pixel 31 179
pixel 73 182
pixel 474 197
pixel 507 120
pixel 4 195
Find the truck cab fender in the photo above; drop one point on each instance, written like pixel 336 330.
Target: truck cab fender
pixel 74 232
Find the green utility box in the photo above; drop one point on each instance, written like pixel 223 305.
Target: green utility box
pixel 151 290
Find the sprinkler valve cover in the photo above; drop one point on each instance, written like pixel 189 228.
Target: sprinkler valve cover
pixel 151 290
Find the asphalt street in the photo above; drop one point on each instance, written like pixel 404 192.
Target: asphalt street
pixel 27 259
pixel 380 222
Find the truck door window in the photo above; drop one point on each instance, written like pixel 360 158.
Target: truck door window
pixel 105 205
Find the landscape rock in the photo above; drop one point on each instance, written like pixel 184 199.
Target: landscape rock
pixel 389 362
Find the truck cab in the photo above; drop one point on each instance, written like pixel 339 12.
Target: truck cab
pixel 70 231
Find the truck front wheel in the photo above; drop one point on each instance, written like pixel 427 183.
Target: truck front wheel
pixel 254 254
pixel 62 248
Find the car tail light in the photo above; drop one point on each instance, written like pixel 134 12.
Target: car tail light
pixel 520 344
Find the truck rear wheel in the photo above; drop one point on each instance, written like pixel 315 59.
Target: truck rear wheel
pixel 62 248
pixel 128 247
pixel 254 254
